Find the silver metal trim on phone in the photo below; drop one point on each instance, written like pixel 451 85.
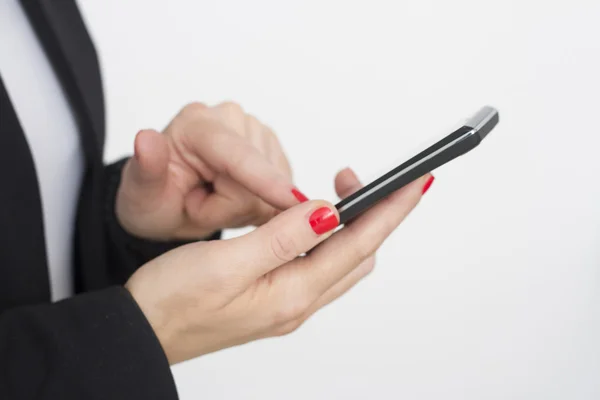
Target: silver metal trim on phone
pixel 483 117
pixel 405 170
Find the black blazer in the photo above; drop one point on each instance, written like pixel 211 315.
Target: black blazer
pixel 96 345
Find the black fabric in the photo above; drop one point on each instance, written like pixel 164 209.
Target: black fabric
pixel 60 29
pixel 97 345
pixel 91 347
pixel 23 270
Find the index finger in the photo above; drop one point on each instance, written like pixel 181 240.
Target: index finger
pixel 225 152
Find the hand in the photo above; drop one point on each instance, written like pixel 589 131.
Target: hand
pixel 212 168
pixel 207 296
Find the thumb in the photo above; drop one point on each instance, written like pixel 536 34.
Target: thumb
pixel 287 236
pixel 146 172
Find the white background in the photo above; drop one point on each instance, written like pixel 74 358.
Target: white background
pixel 491 289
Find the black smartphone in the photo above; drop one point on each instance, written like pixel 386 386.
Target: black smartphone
pixel 459 142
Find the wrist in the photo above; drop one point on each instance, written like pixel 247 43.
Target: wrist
pixel 163 328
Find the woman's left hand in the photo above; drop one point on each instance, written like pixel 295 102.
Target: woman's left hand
pixel 212 168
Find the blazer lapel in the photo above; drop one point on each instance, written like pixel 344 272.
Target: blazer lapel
pixel 23 265
pixel 61 30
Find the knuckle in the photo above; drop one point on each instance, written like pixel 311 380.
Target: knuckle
pixel 368 266
pixel 283 247
pixel 232 107
pixel 238 159
pixel 289 311
pixel 363 248
pixel 194 108
pixel 270 133
pixel 367 240
pixel 253 120
pixel 288 327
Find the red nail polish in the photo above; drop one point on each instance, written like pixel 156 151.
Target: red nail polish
pixel 323 220
pixel 299 195
pixel 428 184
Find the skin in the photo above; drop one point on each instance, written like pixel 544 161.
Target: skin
pixel 208 296
pixel 165 194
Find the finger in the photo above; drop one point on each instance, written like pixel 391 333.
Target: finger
pixel 211 211
pixel 230 154
pixel 221 208
pixel 285 237
pixel 293 283
pixel 231 115
pixel 346 183
pixel 255 134
pixel 341 287
pixel 145 175
pixel 276 153
pixel 335 258
pixel 264 214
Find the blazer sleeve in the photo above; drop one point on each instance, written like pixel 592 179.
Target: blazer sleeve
pixel 97 345
pixel 126 251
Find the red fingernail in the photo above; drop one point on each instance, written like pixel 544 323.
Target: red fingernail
pixel 323 220
pixel 299 195
pixel 428 184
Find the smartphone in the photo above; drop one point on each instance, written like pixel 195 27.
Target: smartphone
pixel 459 142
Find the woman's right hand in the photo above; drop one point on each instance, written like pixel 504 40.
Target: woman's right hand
pixel 208 296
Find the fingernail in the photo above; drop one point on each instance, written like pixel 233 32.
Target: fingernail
pixel 428 184
pixel 299 195
pixel 323 220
